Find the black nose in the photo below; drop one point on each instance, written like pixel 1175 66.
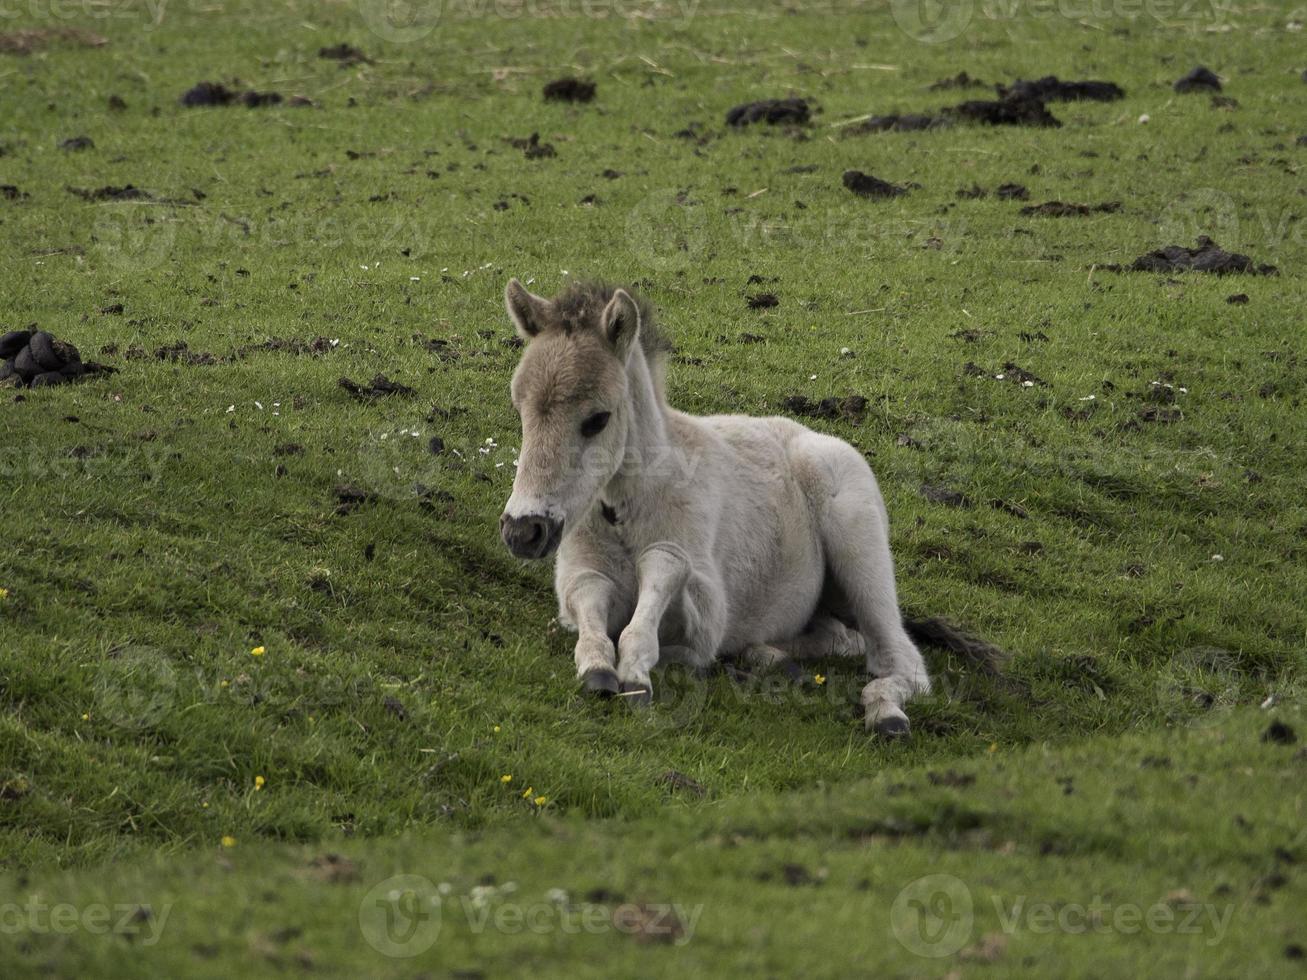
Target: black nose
pixel 532 536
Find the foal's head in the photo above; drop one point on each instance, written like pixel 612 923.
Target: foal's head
pixel 572 392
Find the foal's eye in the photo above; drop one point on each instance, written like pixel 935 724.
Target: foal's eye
pixel 594 424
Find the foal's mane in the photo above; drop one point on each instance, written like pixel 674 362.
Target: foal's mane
pixel 580 304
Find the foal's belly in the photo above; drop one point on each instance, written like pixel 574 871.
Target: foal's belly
pixel 769 553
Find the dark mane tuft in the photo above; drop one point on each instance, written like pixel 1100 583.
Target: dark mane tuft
pixel 579 306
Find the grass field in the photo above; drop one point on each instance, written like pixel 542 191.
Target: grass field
pixel 1130 524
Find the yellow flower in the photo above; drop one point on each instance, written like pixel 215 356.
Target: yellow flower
pixel 540 800
pixel 204 805
pixel 258 782
pixel 228 840
pixel 495 729
pixel 224 683
pixel 993 746
pixel 526 793
pixel 4 593
pixel 85 716
pixel 505 778
pixel 819 678
pixel 258 652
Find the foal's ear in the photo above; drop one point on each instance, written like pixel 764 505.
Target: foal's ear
pixel 621 323
pixel 526 309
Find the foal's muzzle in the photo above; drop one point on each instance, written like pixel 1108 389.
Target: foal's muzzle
pixel 532 536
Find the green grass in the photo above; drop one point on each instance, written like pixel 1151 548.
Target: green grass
pixel 156 537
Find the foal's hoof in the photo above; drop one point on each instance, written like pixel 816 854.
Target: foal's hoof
pixel 893 729
pixel 602 683
pixel 637 695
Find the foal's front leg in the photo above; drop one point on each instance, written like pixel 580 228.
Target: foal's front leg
pixel 662 570
pixel 590 599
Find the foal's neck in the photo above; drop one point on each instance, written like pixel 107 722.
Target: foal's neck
pixel 649 439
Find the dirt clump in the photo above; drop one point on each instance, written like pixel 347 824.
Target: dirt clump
pixel 771 111
pixel 1206 257
pixel 569 90
pixel 345 53
pixel 865 185
pixel 1012 111
pixel 532 148
pixel 217 94
pixel 1052 89
pixel 376 388
pixel 960 80
pixel 34 359
pixel 851 408
pixel 1201 79
pixel 1063 209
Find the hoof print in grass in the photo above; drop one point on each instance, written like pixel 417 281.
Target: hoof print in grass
pixel 762 301
pixel 771 111
pixel 865 185
pixel 569 90
pixel 1201 79
pixel 76 144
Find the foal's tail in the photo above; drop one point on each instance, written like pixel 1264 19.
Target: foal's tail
pixel 941 633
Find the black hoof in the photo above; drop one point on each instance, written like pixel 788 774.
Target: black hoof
pixel 893 729
pixel 600 682
pixel 637 695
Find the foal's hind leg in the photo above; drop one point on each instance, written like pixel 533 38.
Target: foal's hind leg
pixel 854 532
pixel 825 636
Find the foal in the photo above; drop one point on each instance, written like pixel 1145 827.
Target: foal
pixel 692 537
